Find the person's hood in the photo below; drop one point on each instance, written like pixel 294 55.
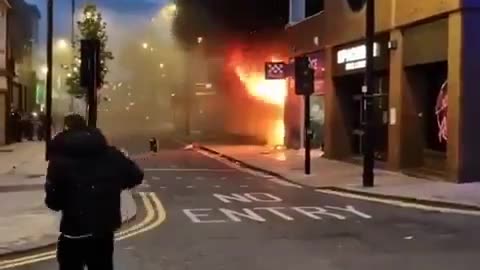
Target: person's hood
pixel 79 143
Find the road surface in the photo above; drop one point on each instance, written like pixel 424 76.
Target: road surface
pixel 196 212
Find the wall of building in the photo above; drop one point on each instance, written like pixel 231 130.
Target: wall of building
pixel 338 24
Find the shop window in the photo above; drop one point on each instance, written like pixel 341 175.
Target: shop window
pixel 313 7
pixel 434 85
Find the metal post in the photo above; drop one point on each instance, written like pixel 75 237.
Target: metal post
pixel 73 23
pixel 48 101
pixel 92 91
pixel 307 133
pixel 369 158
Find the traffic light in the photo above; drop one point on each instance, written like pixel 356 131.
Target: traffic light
pixel 90 69
pixel 304 76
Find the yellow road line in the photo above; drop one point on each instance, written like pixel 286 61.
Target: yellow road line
pixel 149 217
pixel 137 229
pixel 161 216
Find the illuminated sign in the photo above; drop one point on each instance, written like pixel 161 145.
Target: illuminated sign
pixel 355 57
pixel 275 71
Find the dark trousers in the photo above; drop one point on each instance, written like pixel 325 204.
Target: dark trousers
pixel 95 253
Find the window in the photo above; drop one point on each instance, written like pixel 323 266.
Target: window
pixel 313 7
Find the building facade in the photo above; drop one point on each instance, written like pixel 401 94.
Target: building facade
pixel 18 38
pixel 5 74
pixel 426 60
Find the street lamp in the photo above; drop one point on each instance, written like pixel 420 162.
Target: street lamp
pixel 48 97
pixel 368 96
pixel 44 70
pixel 145 45
pixel 62 44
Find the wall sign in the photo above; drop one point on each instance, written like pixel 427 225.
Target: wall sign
pixel 355 57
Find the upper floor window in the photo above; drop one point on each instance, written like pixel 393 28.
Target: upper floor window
pixel 313 7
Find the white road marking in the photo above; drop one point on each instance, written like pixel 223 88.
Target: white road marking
pixel 315 212
pixel 249 171
pixel 350 209
pixel 248 197
pixel 194 215
pixel 403 204
pixel 247 213
pixel 283 182
pixel 276 211
pixel 190 187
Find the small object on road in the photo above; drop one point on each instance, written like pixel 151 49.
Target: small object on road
pixel 408 238
pixel 191 146
pixel 153 145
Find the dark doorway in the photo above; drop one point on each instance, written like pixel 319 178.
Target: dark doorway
pixel 349 89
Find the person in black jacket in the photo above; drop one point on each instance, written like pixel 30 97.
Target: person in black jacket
pixel 85 178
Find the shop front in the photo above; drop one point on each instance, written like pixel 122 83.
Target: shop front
pixel 348 73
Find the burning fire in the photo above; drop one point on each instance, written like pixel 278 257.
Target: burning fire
pixel 272 92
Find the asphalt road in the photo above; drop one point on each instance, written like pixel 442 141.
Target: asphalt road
pixel 222 217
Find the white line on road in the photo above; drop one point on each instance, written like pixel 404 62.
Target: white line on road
pixel 402 204
pixel 249 171
pixel 190 187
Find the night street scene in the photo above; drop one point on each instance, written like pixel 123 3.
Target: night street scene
pixel 239 134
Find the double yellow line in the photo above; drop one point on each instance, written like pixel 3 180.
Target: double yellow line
pixel 155 215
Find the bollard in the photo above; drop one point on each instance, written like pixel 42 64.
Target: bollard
pixel 153 145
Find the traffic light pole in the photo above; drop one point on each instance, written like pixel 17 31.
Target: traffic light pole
pixel 369 140
pixel 48 98
pixel 307 133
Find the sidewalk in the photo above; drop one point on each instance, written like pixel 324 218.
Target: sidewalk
pixel 25 222
pixel 341 176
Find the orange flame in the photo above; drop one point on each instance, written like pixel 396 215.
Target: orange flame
pixel 273 92
pixel 269 91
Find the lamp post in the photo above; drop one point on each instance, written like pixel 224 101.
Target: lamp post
pixel 369 140
pixel 48 101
